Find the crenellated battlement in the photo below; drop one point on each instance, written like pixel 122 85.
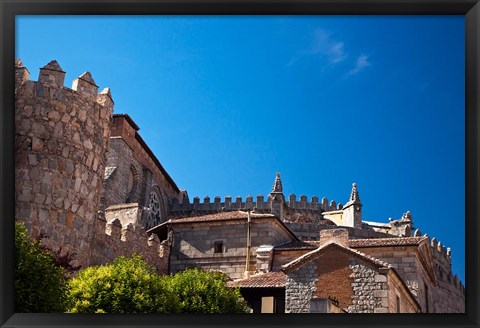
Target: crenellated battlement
pixel 52 77
pixel 440 252
pixel 61 139
pixel 120 233
pixel 442 258
pixel 259 203
pixel 218 205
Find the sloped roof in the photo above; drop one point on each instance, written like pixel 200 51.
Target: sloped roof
pixel 383 242
pixel 263 280
pixel 149 151
pixel 222 216
pixel 310 256
pixel 297 245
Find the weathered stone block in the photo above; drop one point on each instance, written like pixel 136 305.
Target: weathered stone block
pixel 380 278
pixel 380 293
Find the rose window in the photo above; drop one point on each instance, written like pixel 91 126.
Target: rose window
pixel 154 211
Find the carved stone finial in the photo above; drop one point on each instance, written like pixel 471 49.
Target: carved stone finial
pixel 277 185
pixel 406 217
pixel 354 197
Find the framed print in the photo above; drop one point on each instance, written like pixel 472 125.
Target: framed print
pixel 348 130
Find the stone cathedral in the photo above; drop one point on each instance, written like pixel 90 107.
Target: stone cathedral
pixel 87 180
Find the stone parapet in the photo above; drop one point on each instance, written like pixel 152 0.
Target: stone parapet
pixel 114 239
pixel 296 211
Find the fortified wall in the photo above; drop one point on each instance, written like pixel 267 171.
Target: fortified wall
pixel 61 140
pixel 304 218
pixel 450 294
pixel 207 206
pixel 61 143
pixel 115 238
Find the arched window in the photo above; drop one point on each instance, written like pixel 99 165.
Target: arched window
pixel 155 209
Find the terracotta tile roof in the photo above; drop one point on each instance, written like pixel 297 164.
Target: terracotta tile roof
pixel 297 245
pixel 383 242
pixel 312 255
pixel 221 216
pixel 262 280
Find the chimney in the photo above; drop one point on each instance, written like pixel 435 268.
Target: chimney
pixel 264 258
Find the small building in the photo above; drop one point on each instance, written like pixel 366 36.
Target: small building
pixel 225 241
pixel 332 278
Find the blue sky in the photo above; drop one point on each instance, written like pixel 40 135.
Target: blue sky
pixel 225 102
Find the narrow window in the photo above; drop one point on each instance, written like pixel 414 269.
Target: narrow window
pixel 398 304
pixel 218 246
pixel 268 304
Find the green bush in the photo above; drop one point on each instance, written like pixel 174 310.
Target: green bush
pixel 127 285
pixel 205 292
pixel 40 284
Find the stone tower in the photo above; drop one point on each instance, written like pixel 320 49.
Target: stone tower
pixel 61 140
pixel 352 210
pixel 277 199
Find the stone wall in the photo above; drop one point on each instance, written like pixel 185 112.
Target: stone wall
pixel 134 174
pixel 125 213
pixel 60 143
pixel 121 168
pixel 310 231
pixel 280 257
pixel 305 231
pixel 124 127
pixel 301 207
pixel 113 239
pixel 193 244
pixel 403 259
pixel 399 300
pixel 370 289
pixel 447 298
pixel 300 288
pixel 443 296
pixel 356 285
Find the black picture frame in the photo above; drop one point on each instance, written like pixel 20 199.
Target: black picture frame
pixel 10 8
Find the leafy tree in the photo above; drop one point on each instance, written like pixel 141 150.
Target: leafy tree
pixel 205 292
pixel 127 285
pixel 40 284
